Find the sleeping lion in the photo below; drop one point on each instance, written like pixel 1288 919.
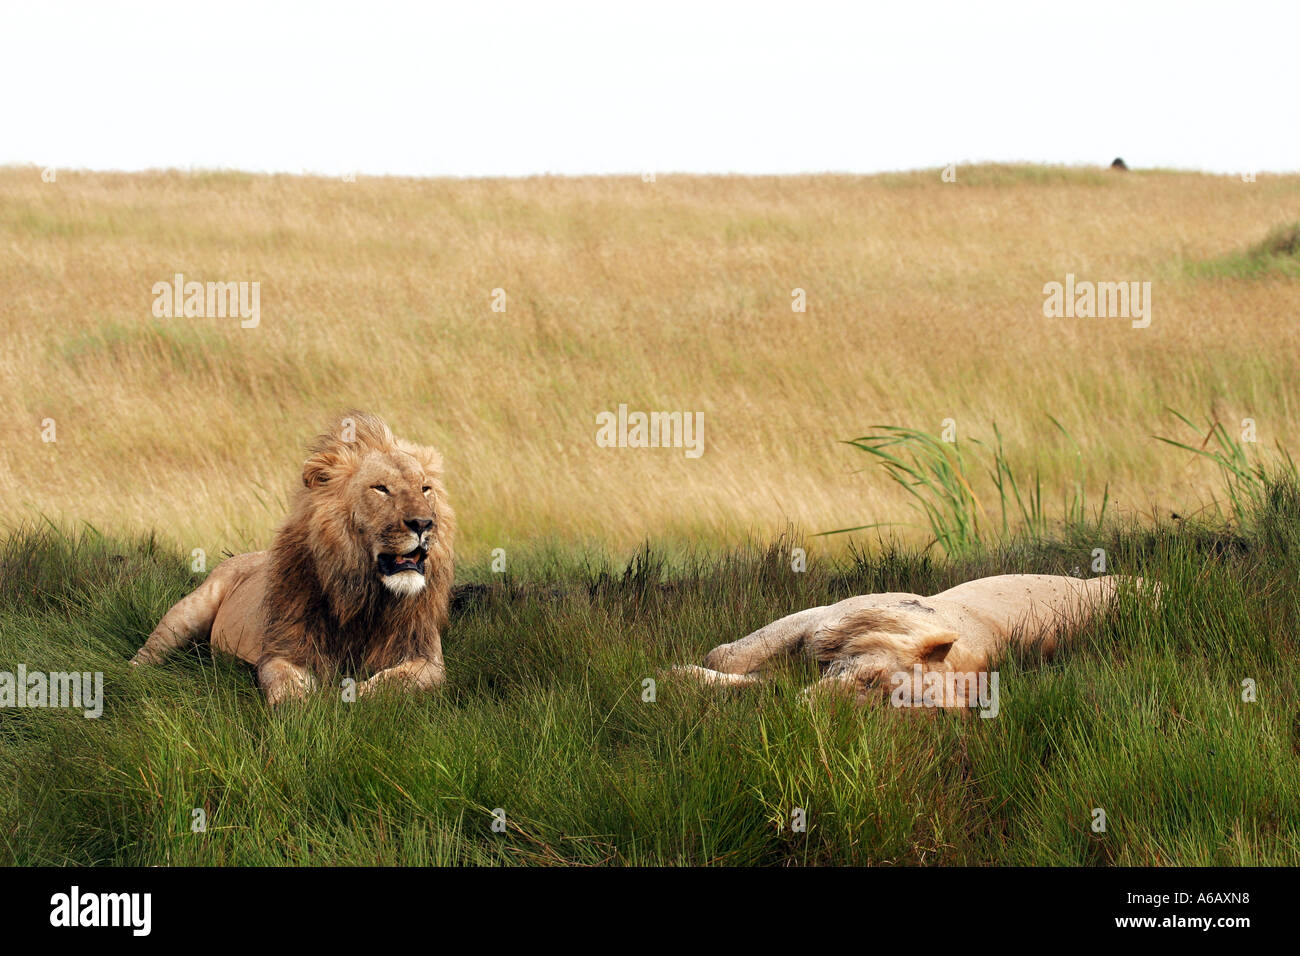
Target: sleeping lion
pixel 358 578
pixel 872 645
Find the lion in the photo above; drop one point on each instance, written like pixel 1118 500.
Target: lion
pixel 358 577
pixel 889 644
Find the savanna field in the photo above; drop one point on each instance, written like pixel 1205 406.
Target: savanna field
pixel 924 303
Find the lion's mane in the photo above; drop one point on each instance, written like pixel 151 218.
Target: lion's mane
pixel 324 608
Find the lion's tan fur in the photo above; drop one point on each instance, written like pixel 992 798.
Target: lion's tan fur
pixel 867 629
pixel 323 608
pixel 862 643
pixel 313 605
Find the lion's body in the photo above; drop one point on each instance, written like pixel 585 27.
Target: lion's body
pixel 863 641
pixel 358 578
pixel 239 627
pixel 226 609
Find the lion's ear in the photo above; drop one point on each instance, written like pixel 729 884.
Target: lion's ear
pixel 319 469
pixel 934 647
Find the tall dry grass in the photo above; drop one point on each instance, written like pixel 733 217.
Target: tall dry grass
pixel 924 303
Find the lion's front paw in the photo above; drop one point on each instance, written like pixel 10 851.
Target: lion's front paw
pixel 284 681
pixel 386 678
pixel 414 674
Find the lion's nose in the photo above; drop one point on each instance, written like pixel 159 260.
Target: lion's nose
pixel 419 525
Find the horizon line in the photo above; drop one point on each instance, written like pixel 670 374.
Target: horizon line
pixel 626 174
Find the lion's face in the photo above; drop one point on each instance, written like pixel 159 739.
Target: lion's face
pixel 873 650
pixel 374 510
pixel 393 513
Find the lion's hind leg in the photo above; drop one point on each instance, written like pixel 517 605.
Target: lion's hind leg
pixel 754 653
pixel 190 619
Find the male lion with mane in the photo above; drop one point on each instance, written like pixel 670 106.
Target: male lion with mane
pixel 357 578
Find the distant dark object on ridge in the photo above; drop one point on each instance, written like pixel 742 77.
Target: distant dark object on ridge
pixel 1118 164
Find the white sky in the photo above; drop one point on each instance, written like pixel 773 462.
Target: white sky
pixel 480 87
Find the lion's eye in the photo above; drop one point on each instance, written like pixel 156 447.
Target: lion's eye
pixel 382 489
pixel 426 489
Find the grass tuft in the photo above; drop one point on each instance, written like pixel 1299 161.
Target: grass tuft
pixel 1277 254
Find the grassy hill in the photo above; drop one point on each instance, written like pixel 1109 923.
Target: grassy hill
pixel 923 303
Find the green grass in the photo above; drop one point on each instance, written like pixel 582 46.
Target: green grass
pixel 1247 480
pixel 1277 254
pixel 940 476
pixel 543 717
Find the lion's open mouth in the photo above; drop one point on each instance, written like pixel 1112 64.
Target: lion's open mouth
pixel 413 560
